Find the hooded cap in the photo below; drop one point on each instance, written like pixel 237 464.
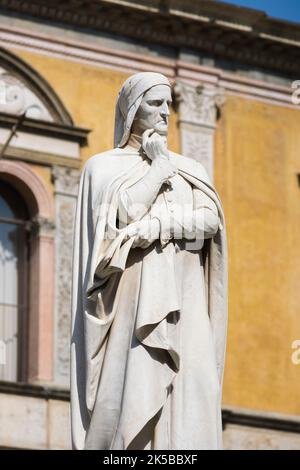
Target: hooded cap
pixel 129 100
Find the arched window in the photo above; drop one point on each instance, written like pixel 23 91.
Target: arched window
pixel 14 254
pixel 42 166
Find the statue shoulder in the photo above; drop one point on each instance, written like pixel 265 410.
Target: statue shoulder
pixel 104 167
pixel 190 165
pixel 102 159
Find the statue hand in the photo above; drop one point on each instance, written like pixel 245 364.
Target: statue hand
pixel 147 232
pixel 154 145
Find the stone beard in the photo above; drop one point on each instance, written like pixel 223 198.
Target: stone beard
pixel 149 299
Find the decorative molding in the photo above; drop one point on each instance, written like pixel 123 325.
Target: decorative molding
pixel 198 144
pixel 87 53
pixel 260 420
pixel 47 123
pixel 242 35
pixel 41 280
pixel 199 107
pixel 42 227
pixel 257 420
pixel 16 98
pixel 235 84
pixel 47 129
pixel 36 391
pixel 22 172
pixel 34 136
pixel 129 62
pixel 13 153
pixel 38 91
pixel 66 183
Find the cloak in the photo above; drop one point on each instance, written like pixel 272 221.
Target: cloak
pixel 106 283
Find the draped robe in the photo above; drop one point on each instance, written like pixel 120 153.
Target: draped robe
pixel 128 331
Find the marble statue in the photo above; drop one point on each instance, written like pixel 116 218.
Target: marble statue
pixel 149 298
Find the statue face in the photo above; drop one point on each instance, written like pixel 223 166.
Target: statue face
pixel 153 112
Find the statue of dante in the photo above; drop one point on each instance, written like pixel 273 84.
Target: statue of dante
pixel 149 300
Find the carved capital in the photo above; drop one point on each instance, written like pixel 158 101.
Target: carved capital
pixel 66 180
pixel 42 227
pixel 199 105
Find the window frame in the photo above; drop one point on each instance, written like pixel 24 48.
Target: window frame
pixel 17 205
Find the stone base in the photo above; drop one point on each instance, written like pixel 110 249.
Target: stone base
pixel 30 421
pixel 34 423
pixel 237 437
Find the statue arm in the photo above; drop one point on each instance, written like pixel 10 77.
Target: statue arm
pixel 205 218
pixel 135 201
pixel 201 222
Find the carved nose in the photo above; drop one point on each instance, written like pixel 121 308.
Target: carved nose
pixel 165 110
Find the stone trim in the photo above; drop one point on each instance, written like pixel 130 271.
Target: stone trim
pixel 48 129
pixel 130 62
pixel 34 81
pixel 66 183
pixel 41 276
pixel 234 34
pixel 41 158
pixel 42 227
pixel 37 391
pixel 229 417
pixel 235 84
pixel 260 420
pixel 199 107
pixel 21 171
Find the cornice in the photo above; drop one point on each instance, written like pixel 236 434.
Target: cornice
pixel 49 129
pixel 260 420
pixel 36 391
pixel 132 62
pixel 223 31
pixel 40 158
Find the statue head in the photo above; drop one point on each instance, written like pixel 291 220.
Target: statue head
pixel 143 103
pixel 153 112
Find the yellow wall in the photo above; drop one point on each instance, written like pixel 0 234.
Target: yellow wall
pixel 46 174
pixel 257 160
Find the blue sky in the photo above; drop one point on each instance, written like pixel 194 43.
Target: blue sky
pixel 284 9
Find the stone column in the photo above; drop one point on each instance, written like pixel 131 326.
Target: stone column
pixel 66 182
pixel 199 107
pixel 40 326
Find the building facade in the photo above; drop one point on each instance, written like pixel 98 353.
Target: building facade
pixel 235 77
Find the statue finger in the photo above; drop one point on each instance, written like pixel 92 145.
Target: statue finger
pixel 146 136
